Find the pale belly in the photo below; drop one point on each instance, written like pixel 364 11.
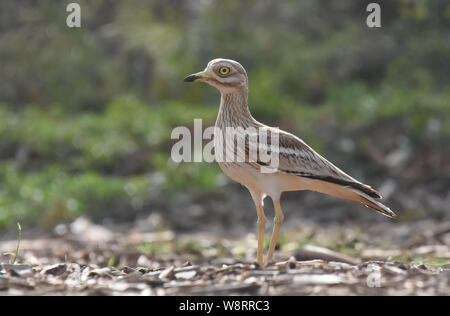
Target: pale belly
pixel 271 184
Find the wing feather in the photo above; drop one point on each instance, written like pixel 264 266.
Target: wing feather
pixel 296 157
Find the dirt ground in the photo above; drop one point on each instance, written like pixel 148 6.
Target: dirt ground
pixel 364 259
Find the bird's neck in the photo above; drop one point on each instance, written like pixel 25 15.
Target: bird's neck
pixel 234 110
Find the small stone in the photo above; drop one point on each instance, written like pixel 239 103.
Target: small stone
pixel 446 267
pixel 142 270
pixel 16 267
pixel 128 270
pixel 56 269
pixel 167 273
pixel 316 279
pixel 187 275
pixel 19 270
pixel 102 272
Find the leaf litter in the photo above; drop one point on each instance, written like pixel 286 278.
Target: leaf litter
pixel 75 263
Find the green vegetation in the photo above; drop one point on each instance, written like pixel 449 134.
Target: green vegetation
pixel 15 254
pixel 86 114
pixel 69 165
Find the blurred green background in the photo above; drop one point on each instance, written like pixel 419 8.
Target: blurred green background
pixel 86 113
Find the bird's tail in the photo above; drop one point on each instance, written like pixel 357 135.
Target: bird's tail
pixel 372 203
pixel 358 193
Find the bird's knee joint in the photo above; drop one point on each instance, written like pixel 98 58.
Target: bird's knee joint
pixel 279 219
pixel 261 221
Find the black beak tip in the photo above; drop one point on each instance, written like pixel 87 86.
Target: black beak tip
pixel 191 78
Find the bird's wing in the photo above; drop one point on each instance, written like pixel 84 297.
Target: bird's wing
pixel 296 157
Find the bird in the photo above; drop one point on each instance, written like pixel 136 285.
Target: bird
pixel 299 166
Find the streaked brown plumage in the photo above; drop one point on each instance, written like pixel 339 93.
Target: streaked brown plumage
pixel 300 167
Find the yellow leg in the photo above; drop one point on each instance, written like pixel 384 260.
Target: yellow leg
pixel 278 220
pixel 258 198
pixel 261 229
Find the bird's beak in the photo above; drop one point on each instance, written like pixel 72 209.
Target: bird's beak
pixel 199 76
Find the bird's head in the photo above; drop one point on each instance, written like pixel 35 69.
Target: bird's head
pixel 225 74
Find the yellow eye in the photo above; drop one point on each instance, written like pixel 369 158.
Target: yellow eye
pixel 223 71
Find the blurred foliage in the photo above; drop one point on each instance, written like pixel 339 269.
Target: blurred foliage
pixel 86 114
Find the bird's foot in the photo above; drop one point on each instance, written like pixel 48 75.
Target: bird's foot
pixel 258 264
